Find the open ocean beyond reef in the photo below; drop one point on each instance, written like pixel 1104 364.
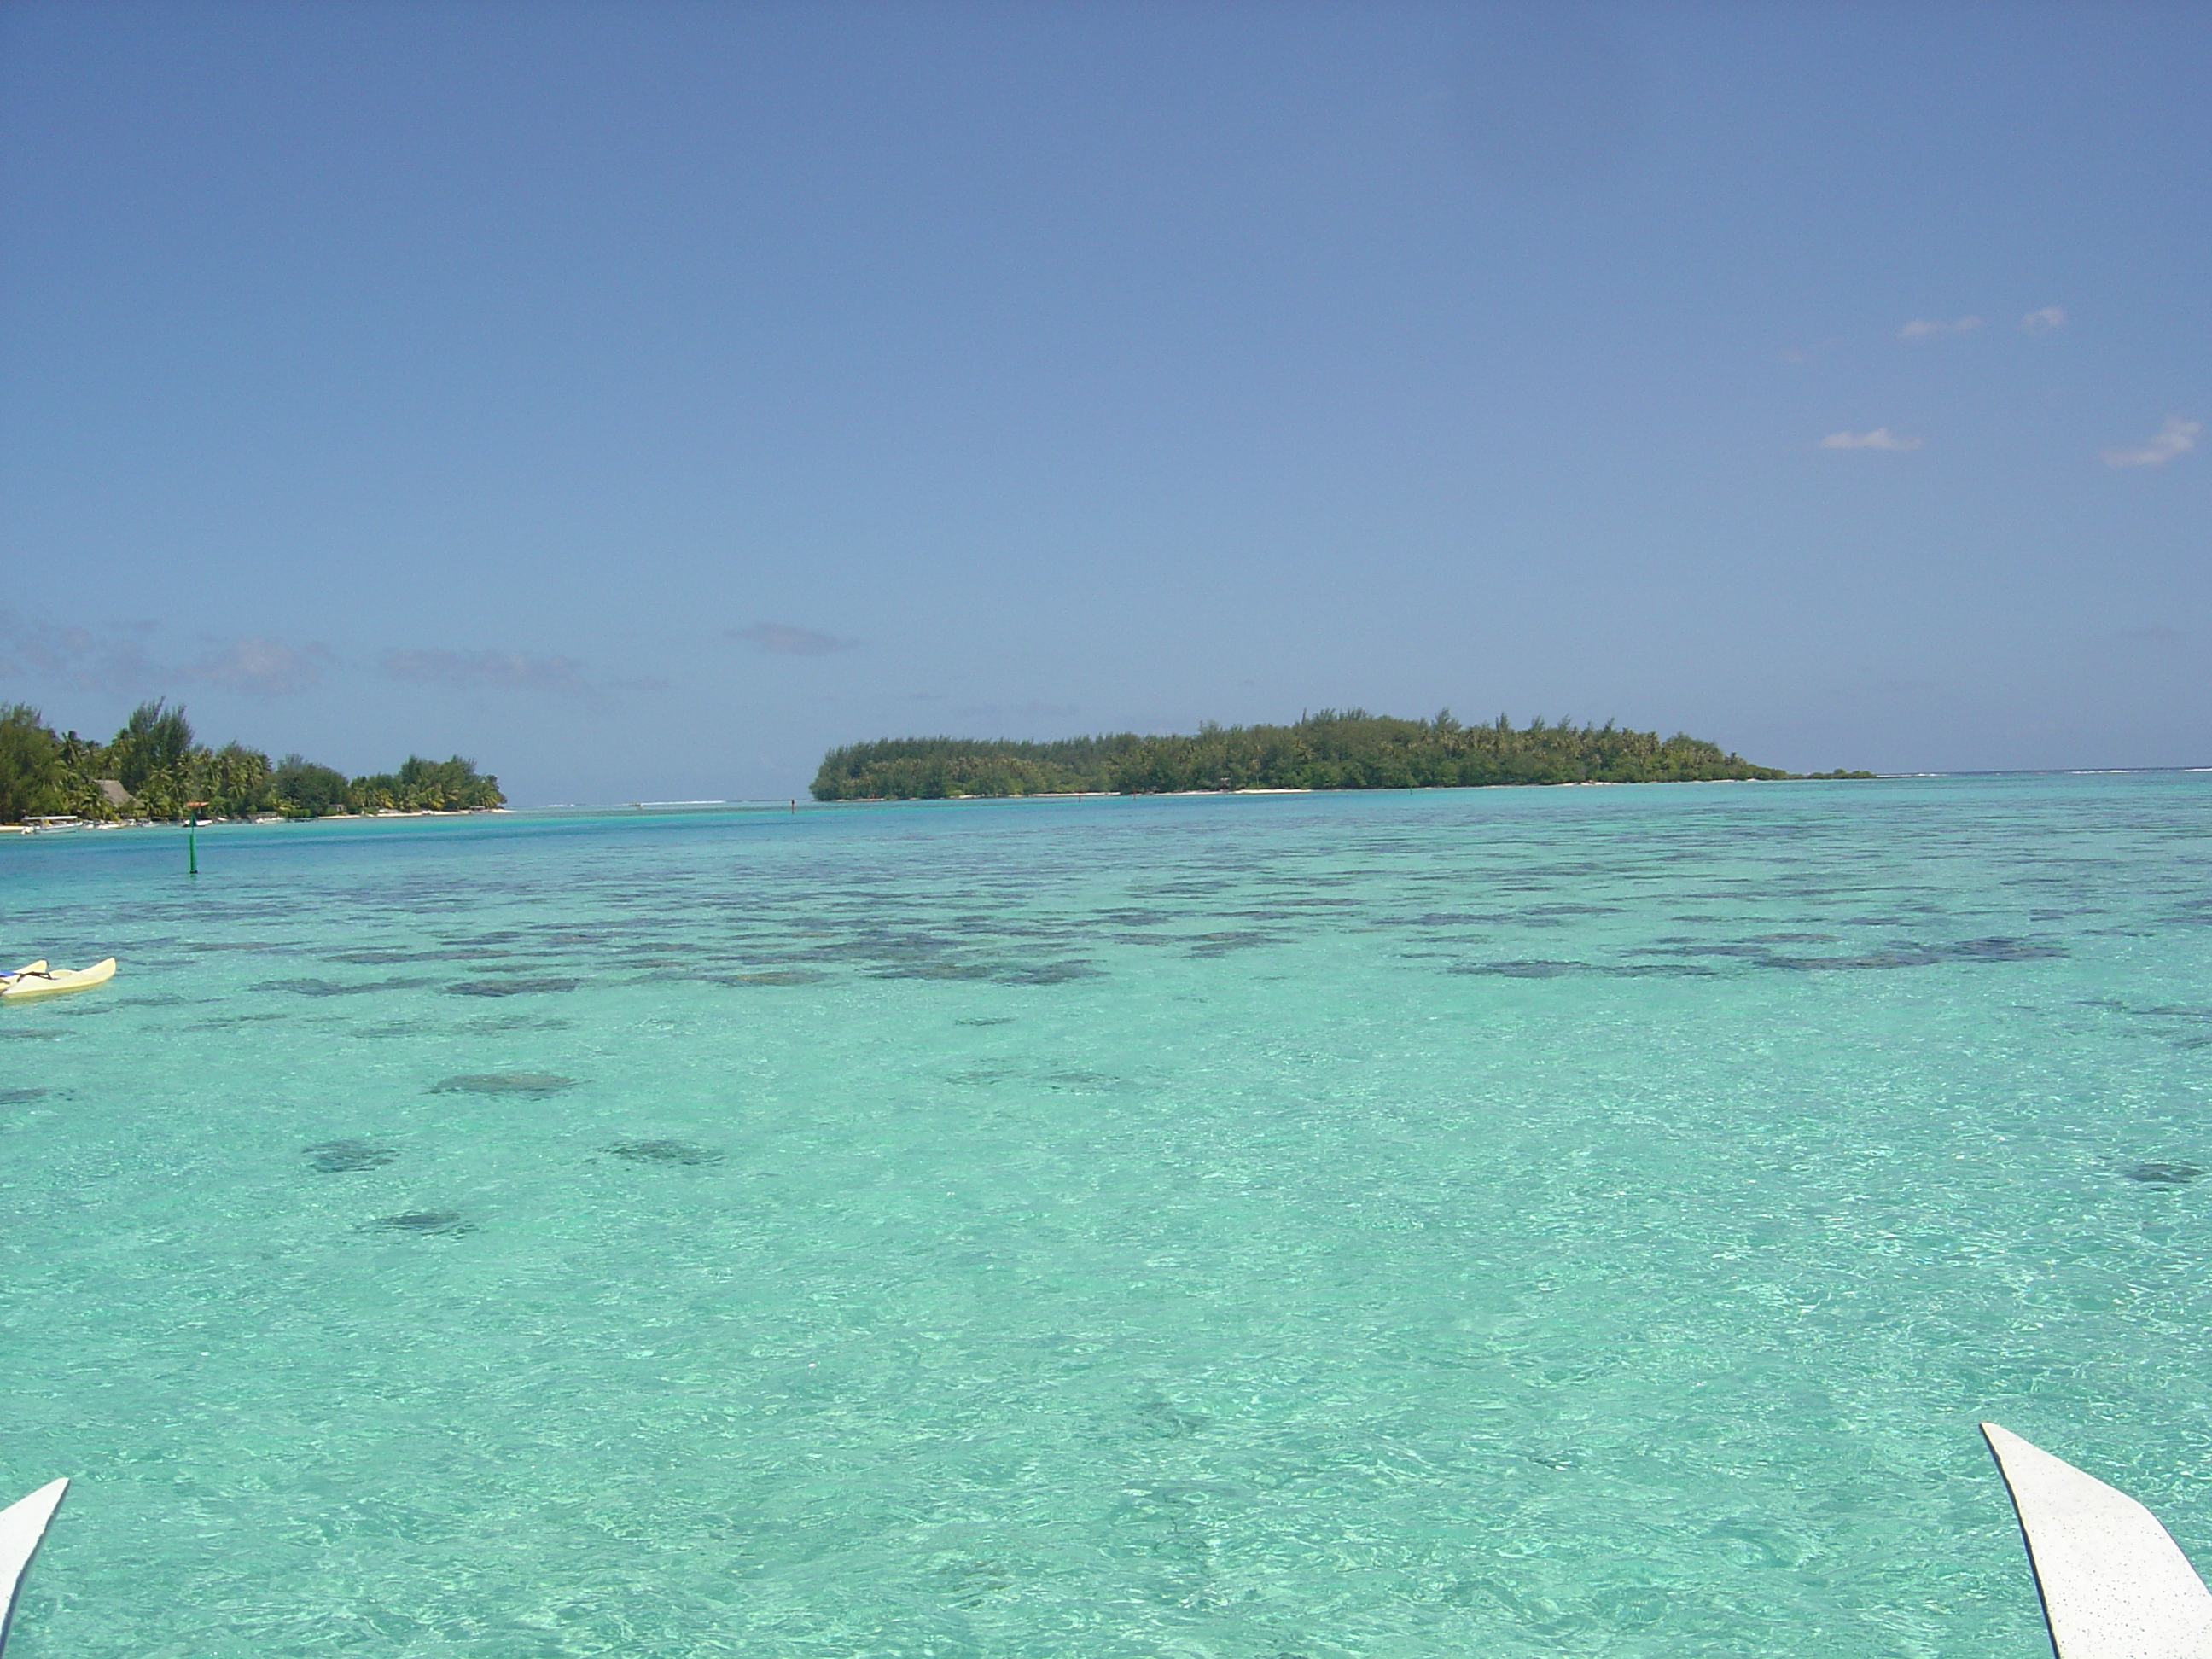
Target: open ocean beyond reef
pixel 1466 1222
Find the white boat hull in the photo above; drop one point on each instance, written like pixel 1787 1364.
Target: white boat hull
pixel 22 1524
pixel 2115 1585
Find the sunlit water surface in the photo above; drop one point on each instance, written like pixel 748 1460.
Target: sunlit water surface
pixel 1513 1222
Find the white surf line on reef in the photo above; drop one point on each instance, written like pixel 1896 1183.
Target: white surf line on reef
pixel 2114 1583
pixel 22 1524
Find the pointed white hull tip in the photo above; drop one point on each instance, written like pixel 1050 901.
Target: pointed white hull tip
pixel 2114 1584
pixel 22 1523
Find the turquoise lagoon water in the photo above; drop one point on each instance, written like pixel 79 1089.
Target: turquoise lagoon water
pixel 1503 1222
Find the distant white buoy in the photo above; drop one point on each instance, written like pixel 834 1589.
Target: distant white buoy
pixel 2115 1585
pixel 22 1524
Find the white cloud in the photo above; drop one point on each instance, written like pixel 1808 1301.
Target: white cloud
pixel 2176 437
pixel 471 669
pixel 263 668
pixel 1921 327
pixel 781 640
pixel 1880 438
pixel 2043 321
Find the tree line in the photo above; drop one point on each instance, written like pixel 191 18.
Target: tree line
pixel 156 763
pixel 1335 749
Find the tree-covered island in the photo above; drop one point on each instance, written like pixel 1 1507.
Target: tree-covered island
pixel 154 768
pixel 1347 748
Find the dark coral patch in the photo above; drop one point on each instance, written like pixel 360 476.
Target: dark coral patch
pixel 424 1224
pixel 1220 945
pixel 1048 973
pixel 1448 919
pixel 2165 1175
pixel 344 1156
pixel 20 1096
pixel 1922 956
pixel 331 987
pixel 386 958
pixel 1525 970
pixel 665 1152
pixel 510 987
pixel 1546 969
pixel 503 1083
pixel 1165 1419
pixel 495 1022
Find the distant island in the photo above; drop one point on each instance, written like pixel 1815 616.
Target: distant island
pixel 1346 749
pixel 155 768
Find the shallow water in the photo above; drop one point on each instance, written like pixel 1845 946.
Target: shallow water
pixel 1496 1222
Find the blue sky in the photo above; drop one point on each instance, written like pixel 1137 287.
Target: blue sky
pixel 640 398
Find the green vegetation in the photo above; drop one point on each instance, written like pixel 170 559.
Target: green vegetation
pixel 154 763
pixel 1335 749
pixel 934 769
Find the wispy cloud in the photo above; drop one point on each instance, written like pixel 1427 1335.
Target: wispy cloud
pixel 1806 354
pixel 1880 438
pixel 259 667
pixel 781 640
pixel 117 661
pixel 76 658
pixel 471 670
pixel 1921 328
pixel 2176 437
pixel 2043 321
pixel 1030 710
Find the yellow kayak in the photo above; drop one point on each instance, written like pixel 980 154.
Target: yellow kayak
pixel 36 980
